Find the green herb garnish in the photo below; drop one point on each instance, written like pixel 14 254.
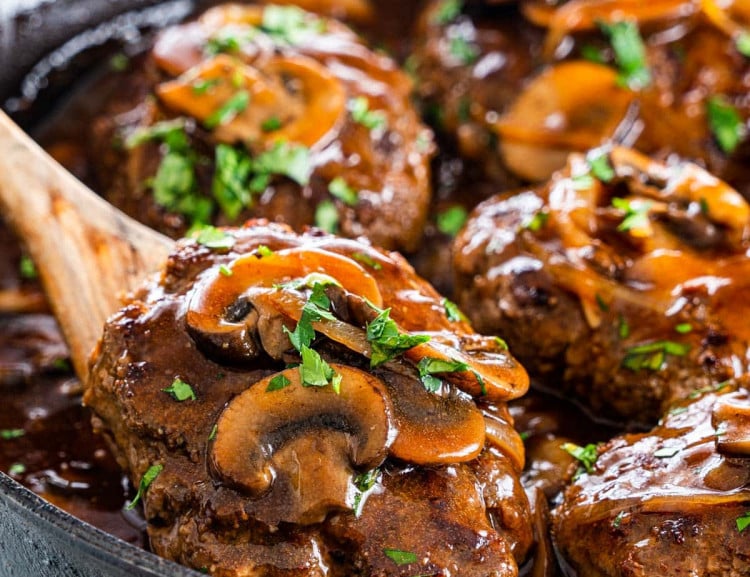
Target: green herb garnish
pixel 366 259
pixel 205 85
pixel 400 557
pixel 290 24
pixel 148 478
pixel 666 452
pixel 224 270
pixel 447 12
pixel 212 434
pixel 277 383
pixel 428 367
pixel 630 53
pixel 363 482
pixel 725 123
pixel 451 220
pixel 271 124
pixel 215 238
pixel 387 341
pixel 180 390
pixel 290 160
pixel 651 356
pixel 743 521
pixel 623 328
pixel 684 328
pixel 317 307
pixel 315 372
pixel 341 190
pixel 463 50
pixel 27 268
pixel 170 132
pixel 119 62
pixel 636 213
pixel 17 469
pixel 452 311
pixel 617 521
pixel 600 302
pixel 586 456
pixel 359 108
pixel 10 434
pixel 600 166
pixel 536 222
pixel 228 111
pixel 742 43
pixel 230 183
pixel 327 216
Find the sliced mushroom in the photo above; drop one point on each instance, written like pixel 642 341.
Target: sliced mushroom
pixel 304 100
pixel 302 445
pixel 432 429
pixel 572 106
pixel 225 312
pixel 731 419
pixel 585 15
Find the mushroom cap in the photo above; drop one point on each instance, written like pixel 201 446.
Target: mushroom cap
pixel 303 442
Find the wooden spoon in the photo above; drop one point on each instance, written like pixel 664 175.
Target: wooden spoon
pixel 87 252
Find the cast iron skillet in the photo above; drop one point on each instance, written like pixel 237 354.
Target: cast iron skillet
pixel 36 538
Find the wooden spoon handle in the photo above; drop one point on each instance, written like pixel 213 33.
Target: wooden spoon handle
pixel 87 252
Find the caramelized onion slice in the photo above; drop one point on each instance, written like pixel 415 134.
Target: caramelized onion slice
pixel 572 106
pixel 304 442
pixel 304 100
pixel 213 303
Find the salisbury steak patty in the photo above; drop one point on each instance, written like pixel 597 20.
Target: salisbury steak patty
pixel 258 111
pixel 623 284
pixel 306 405
pixel 671 502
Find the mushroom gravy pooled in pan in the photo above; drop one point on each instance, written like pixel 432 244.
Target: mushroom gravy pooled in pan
pixel 306 405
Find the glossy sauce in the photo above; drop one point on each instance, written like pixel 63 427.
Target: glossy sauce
pixel 59 457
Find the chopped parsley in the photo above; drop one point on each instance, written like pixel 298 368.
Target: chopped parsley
pixel 315 372
pixel 180 391
pixel 586 456
pixel 651 356
pixel 501 343
pixel 290 160
pixel 725 123
pixel 447 12
pixel 684 328
pixel 205 85
pixel 17 469
pixel 263 250
pixel 366 259
pixel 582 181
pixel 224 42
pixel 451 220
pixel 363 482
pixel 387 341
pixel 148 478
pixel 428 367
pixel 212 434
pixel 603 306
pixel 271 124
pixel 317 307
pixel 277 383
pixel 617 521
pixel 215 238
pixel 452 311
pixel 10 434
pixel 593 54
pixel 536 222
pixel 341 190
pixel 175 187
pixel 400 557
pixel 600 166
pixel 290 24
pixel 359 108
pixel 463 50
pixel 27 268
pixel 636 213
pixel 742 43
pixel 224 270
pixel 743 521
pixel 327 216
pixel 623 328
pixel 228 111
pixel 630 53
pixel 666 452
pixel 170 132
pixel 230 183
pixel 119 62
